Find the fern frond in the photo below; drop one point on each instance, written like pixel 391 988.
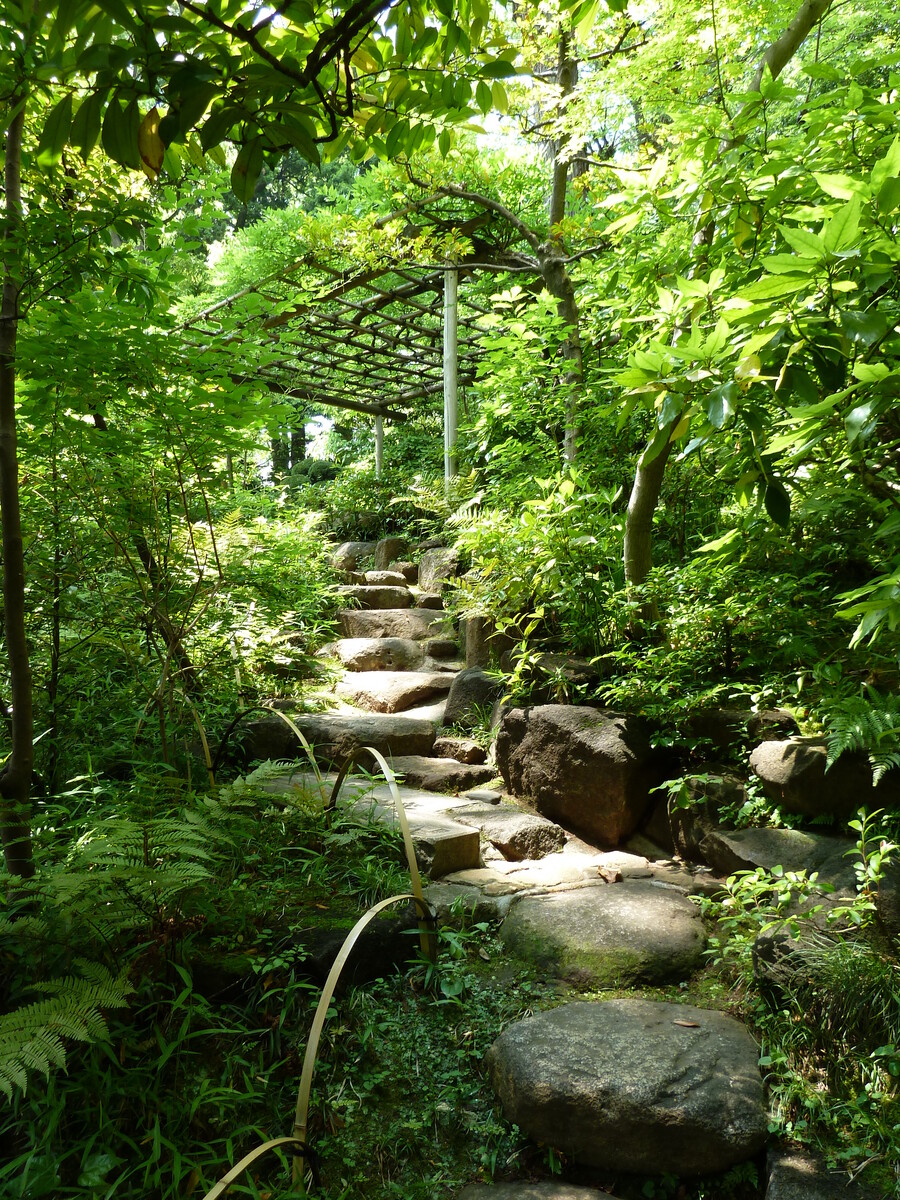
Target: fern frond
pixel 32 1037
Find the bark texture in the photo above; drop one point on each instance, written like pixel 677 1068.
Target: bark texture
pixel 15 779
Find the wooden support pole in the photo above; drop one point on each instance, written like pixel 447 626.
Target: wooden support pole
pixel 450 381
pixel 379 446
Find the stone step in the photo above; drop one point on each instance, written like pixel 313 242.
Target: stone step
pixel 441 774
pixel 334 736
pixel 418 624
pixel 370 597
pixel 442 844
pixel 377 653
pixel 393 691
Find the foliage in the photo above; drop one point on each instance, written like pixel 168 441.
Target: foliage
pixel 823 993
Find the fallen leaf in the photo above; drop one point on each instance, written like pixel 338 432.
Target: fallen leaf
pixel 688 1024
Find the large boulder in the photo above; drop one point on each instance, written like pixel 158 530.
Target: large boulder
pixel 378 654
pixel 793 774
pixel 634 1085
pixel 417 624
pixel 437 567
pixel 473 692
pixel 609 936
pixel 731 850
pixel 387 551
pixel 335 736
pixel 464 750
pixel 582 767
pixel 349 555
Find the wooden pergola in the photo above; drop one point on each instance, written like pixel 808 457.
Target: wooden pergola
pixel 376 341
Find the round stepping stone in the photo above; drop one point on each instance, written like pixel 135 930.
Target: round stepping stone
pixel 616 934
pixel 634 1085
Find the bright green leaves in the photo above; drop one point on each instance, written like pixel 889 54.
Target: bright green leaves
pixel 85 130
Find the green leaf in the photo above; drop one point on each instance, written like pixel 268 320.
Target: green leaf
pixel 772 287
pixel 55 133
pixel 721 402
pixel 484 97
pixel 887 167
pixel 498 69
pixel 395 143
pixel 842 187
pixel 246 170
pixel 863 328
pixel 301 139
pixel 777 503
pixel 119 135
pixel 889 196
pixel 806 244
pixel 842 231
pixel 860 422
pixel 444 143
pixel 219 124
pixel 86 124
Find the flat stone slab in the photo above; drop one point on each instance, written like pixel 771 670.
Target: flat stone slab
pixel 619 934
pixel 517 835
pixel 796 1174
pixel 441 774
pixel 378 654
pixel 385 579
pixel 335 736
pixel 634 1085
pixel 393 691
pixel 369 597
pixel 415 623
pixel 730 850
pixel 464 750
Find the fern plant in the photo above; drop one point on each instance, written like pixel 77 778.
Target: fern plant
pixel 32 1037
pixel 868 721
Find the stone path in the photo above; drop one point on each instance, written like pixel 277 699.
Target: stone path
pixel 632 1085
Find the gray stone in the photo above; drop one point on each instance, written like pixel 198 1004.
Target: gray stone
pixel 417 624
pixel 473 692
pixel 387 551
pixel 771 724
pixel 550 1189
pixel 437 567
pixel 440 774
pixel 409 571
pixel 517 835
pixel 887 899
pixel 448 897
pixel 793 774
pixel 429 600
pixel 589 771
pixel 484 642
pixel 384 579
pixel 464 750
pixel 441 648
pixel 634 1085
pixel 349 554
pixel 335 736
pixel 796 1174
pixel 624 933
pixel 377 597
pixel 731 850
pixel 393 691
pixel 378 654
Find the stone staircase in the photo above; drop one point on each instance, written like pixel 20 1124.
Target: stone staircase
pixel 630 1085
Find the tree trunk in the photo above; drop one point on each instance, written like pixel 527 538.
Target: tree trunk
pixel 281 457
pixel 15 779
pixel 298 444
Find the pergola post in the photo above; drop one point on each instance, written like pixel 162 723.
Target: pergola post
pixel 450 366
pixel 379 446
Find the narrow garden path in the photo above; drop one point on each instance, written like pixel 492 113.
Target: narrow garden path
pixel 627 1084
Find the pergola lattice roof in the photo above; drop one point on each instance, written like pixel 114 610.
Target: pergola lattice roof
pixel 372 342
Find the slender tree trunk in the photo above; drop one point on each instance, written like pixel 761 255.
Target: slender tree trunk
pixel 556 277
pixel 15 779
pixel 281 456
pixel 648 479
pixel 298 444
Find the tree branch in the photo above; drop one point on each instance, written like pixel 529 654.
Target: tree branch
pixel 780 53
